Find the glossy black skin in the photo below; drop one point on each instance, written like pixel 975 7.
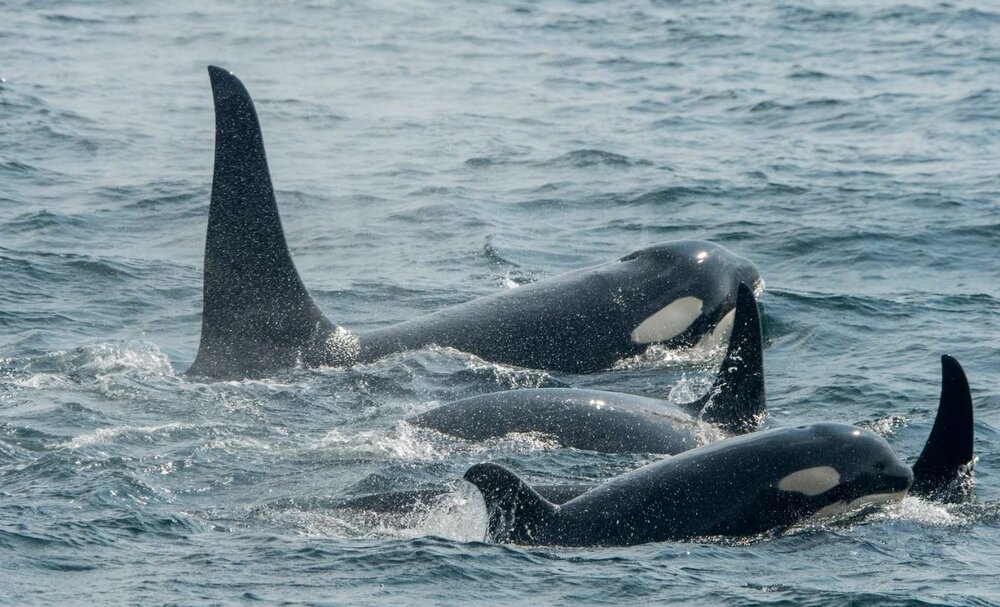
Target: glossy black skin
pixel 258 318
pixel 943 471
pixel 728 488
pixel 613 422
pixel 582 321
pixel 594 420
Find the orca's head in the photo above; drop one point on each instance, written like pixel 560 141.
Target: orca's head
pixel 830 468
pixel 678 292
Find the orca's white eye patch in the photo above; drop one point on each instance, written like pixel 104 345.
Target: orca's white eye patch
pixel 811 481
pixel 669 322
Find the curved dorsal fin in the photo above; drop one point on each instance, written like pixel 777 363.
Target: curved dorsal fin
pixel 517 513
pixel 737 399
pixel 948 450
pixel 257 315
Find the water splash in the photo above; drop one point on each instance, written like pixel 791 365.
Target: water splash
pixel 131 434
pixel 459 515
pixel 403 442
pixel 886 426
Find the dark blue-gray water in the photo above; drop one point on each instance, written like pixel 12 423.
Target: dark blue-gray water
pixel 426 153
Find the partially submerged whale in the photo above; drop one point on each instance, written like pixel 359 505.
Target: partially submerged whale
pixel 613 422
pixel 258 317
pixel 740 486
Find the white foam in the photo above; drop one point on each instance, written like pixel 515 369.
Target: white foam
pixel 459 515
pixel 658 355
pixel 410 443
pixel 236 444
pixel 314 522
pixel 142 357
pixel 403 441
pixel 108 435
pixel 688 389
pixel 512 378
pixel 915 509
pixel 886 426
pixel 38 381
pixel 508 282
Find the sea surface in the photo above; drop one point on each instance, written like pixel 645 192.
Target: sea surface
pixel 426 153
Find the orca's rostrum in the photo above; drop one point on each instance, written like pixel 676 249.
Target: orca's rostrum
pixel 258 317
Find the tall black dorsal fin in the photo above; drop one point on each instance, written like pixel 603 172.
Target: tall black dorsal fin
pixel 517 513
pixel 948 450
pixel 257 315
pixel 737 401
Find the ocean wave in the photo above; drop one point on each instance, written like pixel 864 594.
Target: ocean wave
pixel 590 158
pixel 138 358
pixel 135 434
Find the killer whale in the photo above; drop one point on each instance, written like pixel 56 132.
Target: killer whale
pixel 613 422
pixel 739 486
pixel 940 472
pixel 258 317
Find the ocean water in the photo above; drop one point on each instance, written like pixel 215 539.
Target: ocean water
pixel 425 153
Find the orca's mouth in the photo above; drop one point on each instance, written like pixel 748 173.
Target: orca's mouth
pixel 843 506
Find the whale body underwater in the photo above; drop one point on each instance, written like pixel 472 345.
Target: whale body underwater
pixel 258 317
pixel 741 486
pixel 613 422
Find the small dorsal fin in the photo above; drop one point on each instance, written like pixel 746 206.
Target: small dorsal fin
pixel 948 451
pixel 517 513
pixel 257 315
pixel 737 399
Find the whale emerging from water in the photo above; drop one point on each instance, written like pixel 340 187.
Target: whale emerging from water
pixel 740 486
pixel 613 422
pixel 259 319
